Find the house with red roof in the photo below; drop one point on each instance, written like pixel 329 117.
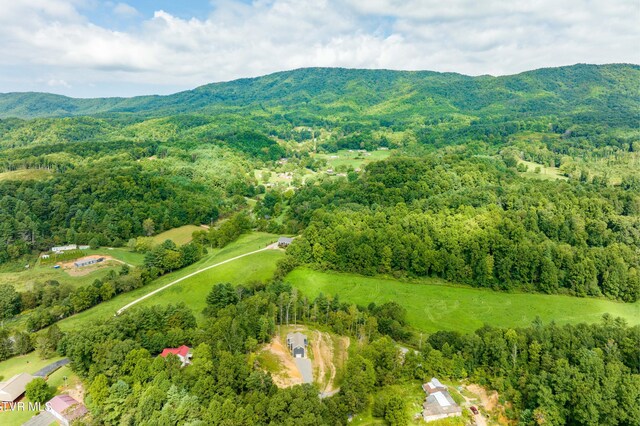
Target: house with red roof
pixel 183 352
pixel 65 409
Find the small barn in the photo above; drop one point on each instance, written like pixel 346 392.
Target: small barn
pixel 297 343
pixel 284 242
pixel 65 409
pixel 13 388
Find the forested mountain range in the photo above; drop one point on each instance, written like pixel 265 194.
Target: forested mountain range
pixel 401 96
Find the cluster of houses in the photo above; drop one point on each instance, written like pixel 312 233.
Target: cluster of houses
pixel 63 407
pixel 438 403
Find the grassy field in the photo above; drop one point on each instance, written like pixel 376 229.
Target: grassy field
pixel 26 174
pixel 546 173
pixel 344 158
pixel 192 290
pixel 432 305
pixel 25 280
pixel 29 363
pixel 123 254
pixel 180 236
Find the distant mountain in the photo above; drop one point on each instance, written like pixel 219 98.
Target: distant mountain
pixel 599 90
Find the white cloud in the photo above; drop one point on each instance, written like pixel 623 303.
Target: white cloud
pixel 239 39
pixel 124 10
pixel 52 82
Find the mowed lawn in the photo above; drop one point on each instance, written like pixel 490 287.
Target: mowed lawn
pixel 25 280
pixel 193 291
pixel 245 244
pixel 29 363
pixel 180 236
pixel 433 305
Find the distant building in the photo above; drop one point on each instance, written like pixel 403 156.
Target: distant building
pixel 284 242
pixel 433 386
pixel 297 343
pixel 13 388
pixel 66 409
pixel 59 249
pixel 439 404
pixel 84 247
pixel 44 256
pixel 86 262
pixel 183 352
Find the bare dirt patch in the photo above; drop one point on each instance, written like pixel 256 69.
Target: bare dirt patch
pixel 327 358
pixel 288 375
pixel 71 269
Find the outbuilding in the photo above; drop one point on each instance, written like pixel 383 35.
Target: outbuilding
pixel 284 242
pixel 65 409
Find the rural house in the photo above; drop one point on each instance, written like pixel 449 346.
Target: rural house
pixel 13 388
pixel 433 386
pixel 283 242
pixel 297 343
pixel 65 409
pixel 439 404
pixel 183 352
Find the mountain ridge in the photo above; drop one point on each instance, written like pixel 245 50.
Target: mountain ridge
pixel 348 88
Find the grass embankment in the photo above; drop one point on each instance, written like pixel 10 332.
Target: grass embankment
pixel 193 291
pixel 433 305
pixel 181 235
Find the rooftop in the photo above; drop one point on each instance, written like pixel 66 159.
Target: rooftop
pixel 296 339
pixel 14 387
pixel 440 403
pixel 66 406
pixel 182 351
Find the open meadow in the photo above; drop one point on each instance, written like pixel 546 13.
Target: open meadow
pixel 433 305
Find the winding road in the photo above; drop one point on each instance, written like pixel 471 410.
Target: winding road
pixel 158 290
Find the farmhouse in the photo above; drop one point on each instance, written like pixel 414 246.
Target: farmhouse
pixel 438 404
pixel 297 343
pixel 183 352
pixel 66 409
pixel 59 249
pixel 86 262
pixel 284 242
pixel 433 386
pixel 13 388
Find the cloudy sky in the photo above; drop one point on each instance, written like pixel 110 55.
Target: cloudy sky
pixel 90 48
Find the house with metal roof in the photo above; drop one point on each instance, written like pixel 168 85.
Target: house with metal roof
pixel 65 409
pixel 297 344
pixel 13 388
pixel 439 404
pixel 433 386
pixel 284 242
pixel 86 262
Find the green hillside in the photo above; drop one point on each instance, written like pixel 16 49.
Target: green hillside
pixel 336 92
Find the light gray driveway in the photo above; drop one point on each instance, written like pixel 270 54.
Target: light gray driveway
pixel 45 418
pixel 304 365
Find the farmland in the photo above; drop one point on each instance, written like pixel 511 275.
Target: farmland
pixel 433 305
pixel 193 290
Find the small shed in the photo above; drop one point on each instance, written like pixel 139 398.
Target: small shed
pixel 284 242
pixel 65 409
pixel 297 343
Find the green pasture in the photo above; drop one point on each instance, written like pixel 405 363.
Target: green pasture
pixel 344 159
pixel 180 235
pixel 433 305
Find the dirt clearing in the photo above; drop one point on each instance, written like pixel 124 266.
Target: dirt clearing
pixel 285 373
pixel 71 269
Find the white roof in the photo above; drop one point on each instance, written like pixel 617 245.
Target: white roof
pixel 442 400
pixel 436 383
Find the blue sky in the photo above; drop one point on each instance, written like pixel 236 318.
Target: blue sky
pixel 89 48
